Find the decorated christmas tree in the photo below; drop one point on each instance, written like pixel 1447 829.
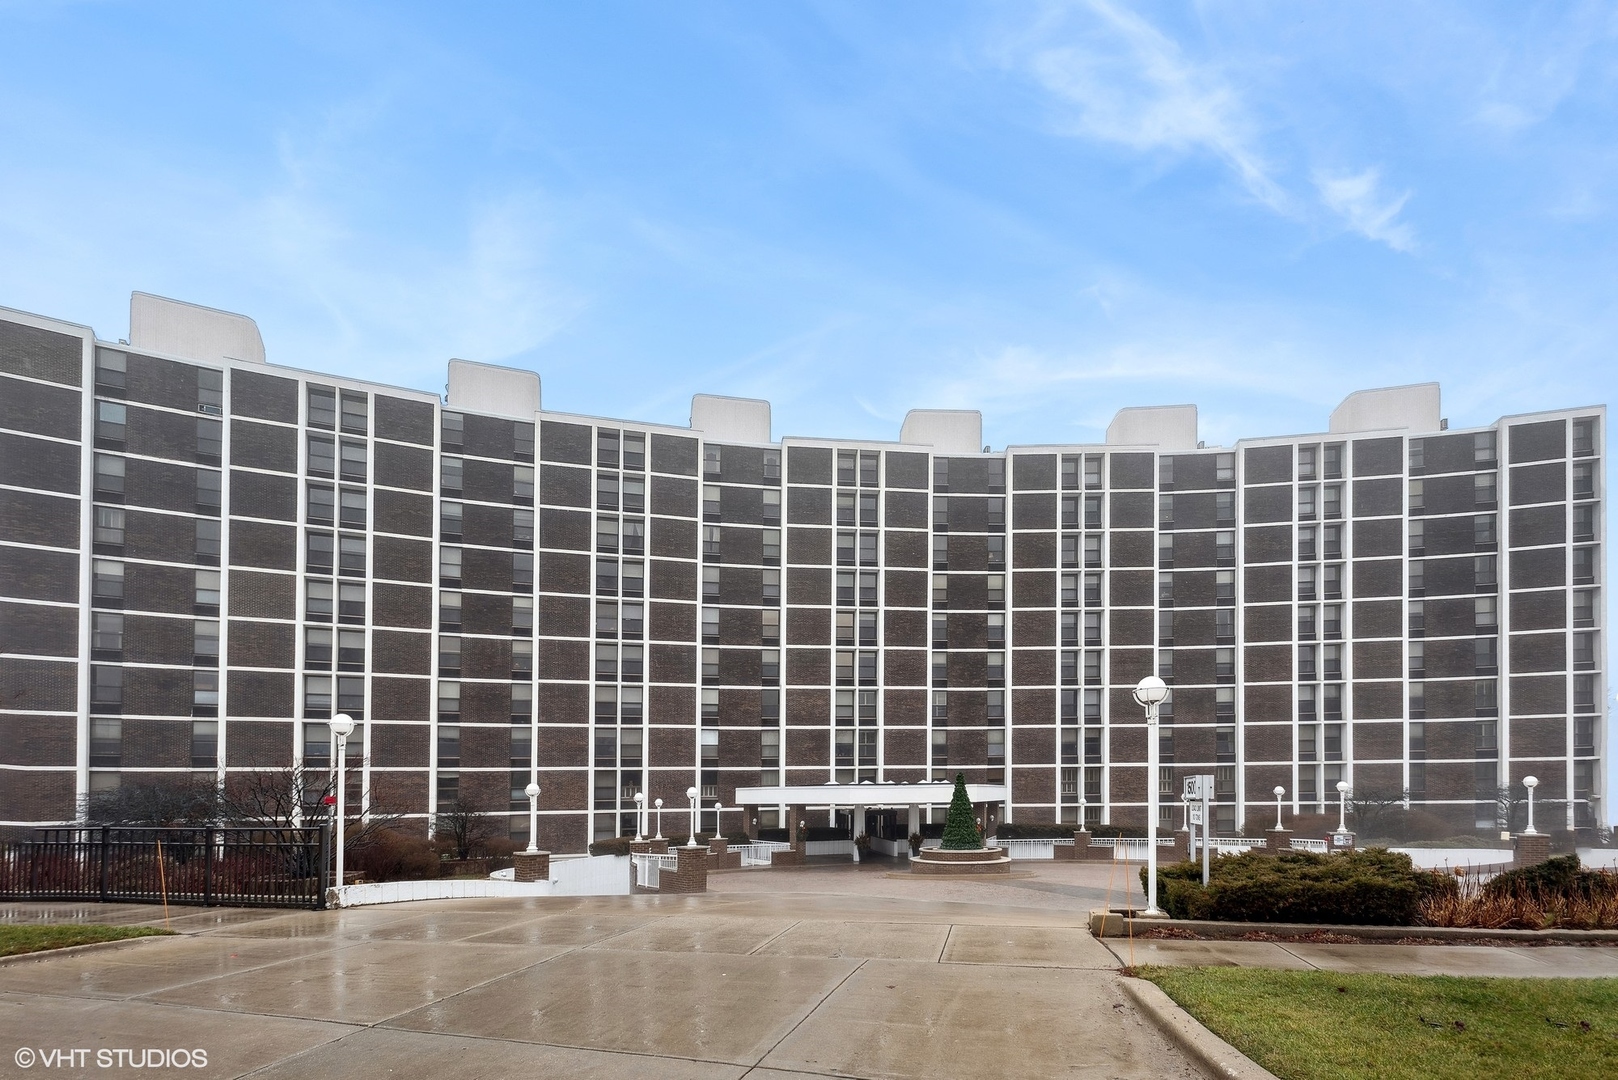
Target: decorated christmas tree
pixel 960 830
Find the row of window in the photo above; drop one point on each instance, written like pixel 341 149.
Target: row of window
pixel 107 587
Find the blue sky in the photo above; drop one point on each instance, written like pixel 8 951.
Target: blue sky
pixel 1043 210
pixel 1046 211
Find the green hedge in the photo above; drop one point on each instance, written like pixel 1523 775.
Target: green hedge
pixel 1561 878
pixel 1371 887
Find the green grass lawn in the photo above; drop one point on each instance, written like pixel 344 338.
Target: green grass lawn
pixel 16 939
pixel 1311 1025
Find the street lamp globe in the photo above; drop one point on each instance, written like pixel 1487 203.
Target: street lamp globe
pixel 1151 691
pixel 532 791
pixel 342 725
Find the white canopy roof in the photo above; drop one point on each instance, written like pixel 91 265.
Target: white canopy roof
pixel 868 794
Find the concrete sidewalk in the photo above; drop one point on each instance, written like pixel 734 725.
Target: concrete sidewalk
pixel 1529 961
pixel 764 985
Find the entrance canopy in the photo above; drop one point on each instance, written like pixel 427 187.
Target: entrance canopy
pixel 867 795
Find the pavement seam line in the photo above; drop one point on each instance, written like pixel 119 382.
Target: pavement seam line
pixel 944 948
pixel 775 937
pixel 806 1016
pixel 1301 959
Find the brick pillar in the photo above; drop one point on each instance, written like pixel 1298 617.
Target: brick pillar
pixel 690 872
pixel 1341 841
pixel 1182 846
pixel 532 865
pixel 796 835
pixel 1530 849
pixel 1081 845
pixel 1277 841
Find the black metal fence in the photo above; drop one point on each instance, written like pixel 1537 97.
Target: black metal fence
pixel 210 866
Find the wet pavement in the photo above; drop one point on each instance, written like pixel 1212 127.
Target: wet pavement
pixel 818 972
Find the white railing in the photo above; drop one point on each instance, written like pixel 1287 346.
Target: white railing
pixel 1030 848
pixel 1310 845
pixel 1130 848
pixel 649 867
pixel 758 852
pixel 1233 845
pixel 828 847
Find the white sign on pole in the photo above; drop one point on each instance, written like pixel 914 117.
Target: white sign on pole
pixel 1193 788
pixel 1196 813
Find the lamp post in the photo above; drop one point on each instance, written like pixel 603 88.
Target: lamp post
pixel 1149 694
pixel 1279 792
pixel 342 726
pixel 1342 806
pixel 640 811
pixel 658 803
pixel 718 826
pixel 1530 782
pixel 691 793
pixel 532 791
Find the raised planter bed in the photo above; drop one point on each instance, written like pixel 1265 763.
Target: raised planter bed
pixel 970 861
pixel 1118 924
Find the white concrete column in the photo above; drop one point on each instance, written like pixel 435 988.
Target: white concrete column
pixel 915 825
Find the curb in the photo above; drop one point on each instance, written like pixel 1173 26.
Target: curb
pixel 69 950
pixel 1216 1056
pixel 1112 924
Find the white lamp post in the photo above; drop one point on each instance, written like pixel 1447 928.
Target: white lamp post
pixel 1530 782
pixel 640 812
pixel 718 826
pixel 342 726
pixel 658 803
pixel 532 791
pixel 691 793
pixel 1279 792
pixel 1342 806
pixel 1149 694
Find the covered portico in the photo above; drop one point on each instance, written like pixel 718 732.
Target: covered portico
pixel 988 802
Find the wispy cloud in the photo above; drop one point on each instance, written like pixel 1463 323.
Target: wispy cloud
pixel 1124 81
pixel 1365 208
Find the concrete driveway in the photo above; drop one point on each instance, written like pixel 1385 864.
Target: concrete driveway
pixel 740 982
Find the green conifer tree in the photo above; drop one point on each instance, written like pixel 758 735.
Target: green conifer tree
pixel 960 830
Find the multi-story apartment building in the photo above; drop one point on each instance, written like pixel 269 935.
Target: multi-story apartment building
pixel 203 557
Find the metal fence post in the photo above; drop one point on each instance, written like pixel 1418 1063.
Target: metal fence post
pixel 323 879
pixel 207 868
pixel 103 889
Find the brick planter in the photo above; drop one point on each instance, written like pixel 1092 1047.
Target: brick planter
pixel 981 861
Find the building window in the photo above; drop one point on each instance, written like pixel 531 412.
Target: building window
pixel 206 595
pixel 205 692
pixel 355 413
pixel 210 440
pixel 451 475
pixel 322 407
pixel 111 424
pixel 322 456
pixel 109 478
pixel 449 611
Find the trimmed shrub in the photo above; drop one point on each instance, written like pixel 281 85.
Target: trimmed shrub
pixel 390 855
pixel 960 829
pixel 1560 878
pixel 615 845
pixel 1370 887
